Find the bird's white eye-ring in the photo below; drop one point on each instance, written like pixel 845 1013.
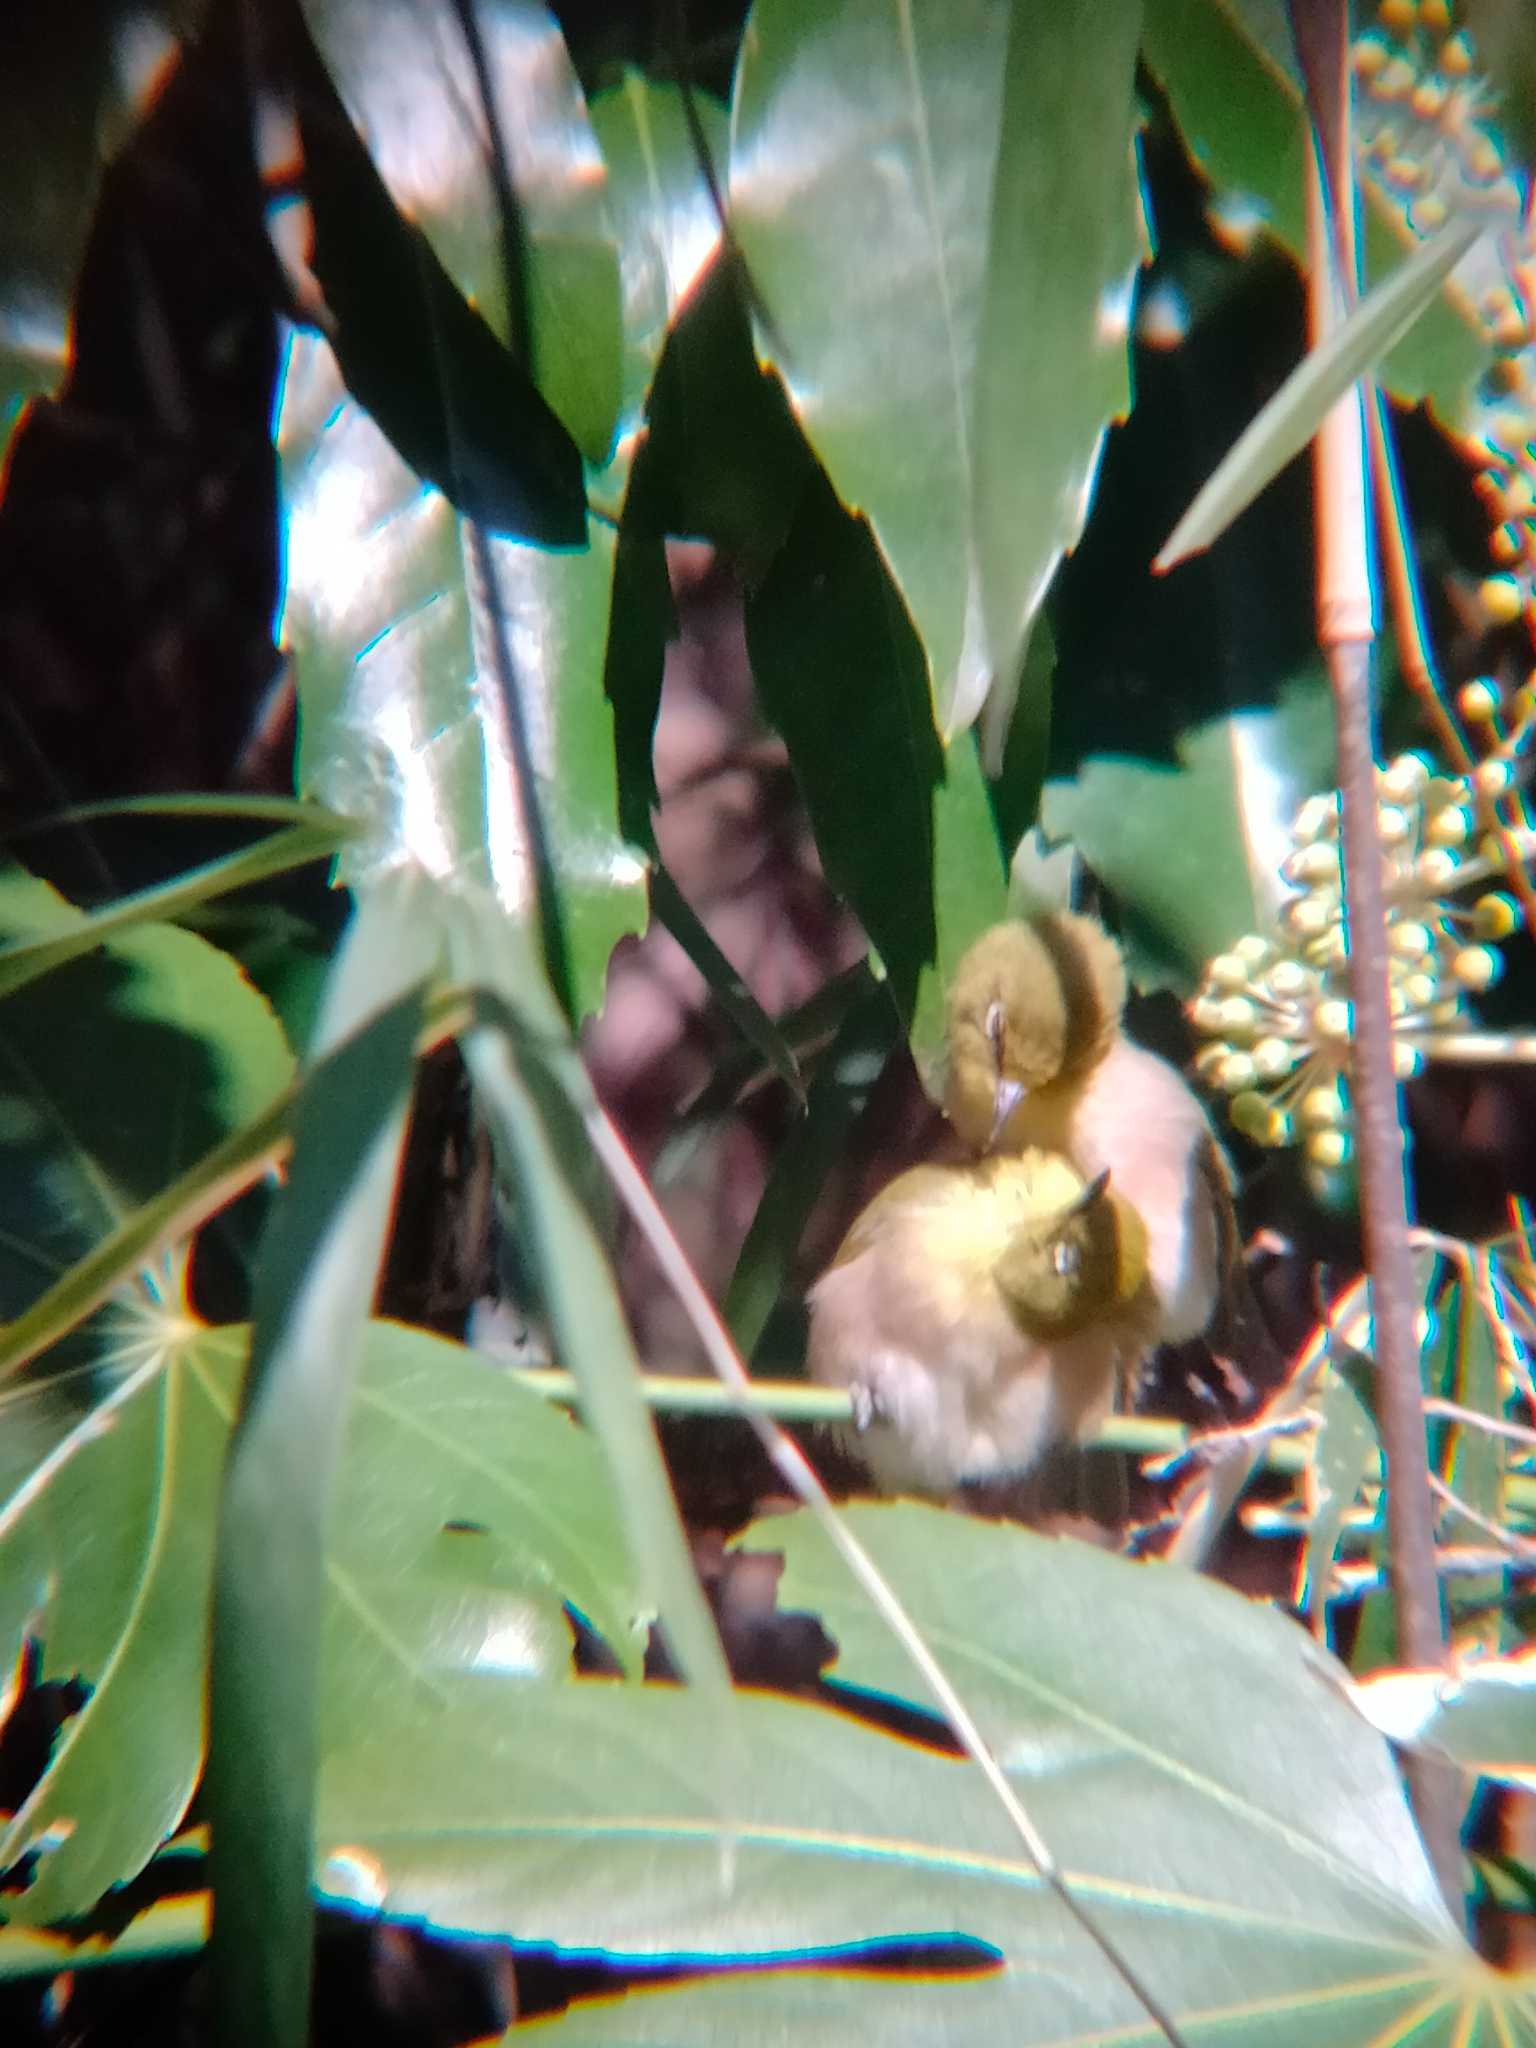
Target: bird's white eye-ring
pixel 1065 1258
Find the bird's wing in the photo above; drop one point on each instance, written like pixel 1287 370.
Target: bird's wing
pixel 908 1192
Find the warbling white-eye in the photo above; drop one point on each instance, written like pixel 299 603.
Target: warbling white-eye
pixel 1037 1058
pixel 981 1313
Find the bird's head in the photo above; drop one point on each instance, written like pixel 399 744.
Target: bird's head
pixel 1030 1006
pixel 1062 1271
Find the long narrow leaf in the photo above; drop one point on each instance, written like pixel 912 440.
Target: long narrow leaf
pixel 294 847
pixel 526 1069
pixel 314 1289
pixel 1298 408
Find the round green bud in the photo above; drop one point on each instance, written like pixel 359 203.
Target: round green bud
pixel 1275 1057
pixel 1327 1148
pixel 1323 1108
pixel 1477 967
pixel 1449 826
pixel 1496 916
pixel 1236 1073
pixel 1410 941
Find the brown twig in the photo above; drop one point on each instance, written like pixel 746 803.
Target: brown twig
pixel 1346 634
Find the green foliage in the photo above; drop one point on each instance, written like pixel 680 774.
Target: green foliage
pixel 881 386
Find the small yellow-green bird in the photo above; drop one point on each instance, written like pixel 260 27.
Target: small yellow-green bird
pixel 1037 1058
pixel 980 1313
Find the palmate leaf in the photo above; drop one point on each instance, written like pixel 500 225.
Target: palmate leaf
pixel 937 207
pixel 1192 846
pixel 468 1512
pixel 1193 1759
pixel 117 1070
pixel 1484 1716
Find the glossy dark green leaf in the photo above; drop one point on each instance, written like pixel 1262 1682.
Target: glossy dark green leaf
pixel 484 337
pixel 1052 356
pixel 722 458
pixel 467 1513
pixel 451 687
pixel 1192 846
pixel 117 1071
pixel 845 1075
pixel 492 112
pixel 70 86
pixel 668 232
pixel 839 673
pixel 663 216
pixel 1228 70
pixel 937 208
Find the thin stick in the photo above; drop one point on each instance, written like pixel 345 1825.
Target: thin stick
pixel 1346 634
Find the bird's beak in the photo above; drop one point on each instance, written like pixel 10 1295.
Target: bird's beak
pixel 1090 1195
pixel 1009 1095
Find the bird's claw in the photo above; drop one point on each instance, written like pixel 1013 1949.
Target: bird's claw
pixel 866 1406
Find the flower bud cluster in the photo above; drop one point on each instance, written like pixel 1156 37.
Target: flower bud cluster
pixel 1430 143
pixel 1276 1010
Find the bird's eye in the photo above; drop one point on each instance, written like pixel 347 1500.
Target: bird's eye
pixel 996 1026
pixel 1065 1259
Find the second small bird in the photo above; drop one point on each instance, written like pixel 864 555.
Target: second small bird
pixel 1037 1058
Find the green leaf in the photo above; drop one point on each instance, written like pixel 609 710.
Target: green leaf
pixel 845 1075
pixel 1220 1806
pixel 821 2007
pixel 69 89
pixel 662 213
pixel 904 835
pixel 722 457
pixel 468 1512
pixel 24 959
pixel 672 910
pixel 936 205
pixel 1229 72
pixel 430 297
pixel 970 891
pixel 551 289
pixel 451 686
pixel 1191 847
pixel 117 1071
pixel 105 1558
pixel 1052 366
pixel 1504 43
pixel 1291 418
pixel 1484 1716
pixel 539 1104
pixel 1346 1450
pixel 314 1285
